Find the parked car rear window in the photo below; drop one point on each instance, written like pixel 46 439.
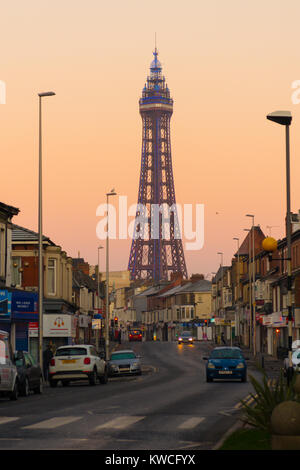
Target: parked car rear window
pixel 117 357
pixel 226 354
pixel 3 353
pixel 71 352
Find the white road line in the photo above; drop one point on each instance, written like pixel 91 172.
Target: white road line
pixel 53 422
pixel 190 423
pixel 4 419
pixel 120 423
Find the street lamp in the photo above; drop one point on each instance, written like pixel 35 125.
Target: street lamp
pixel 250 291
pixel 40 230
pixel 284 118
pixel 221 253
pixel 111 193
pixel 98 282
pixel 253 289
pixel 238 286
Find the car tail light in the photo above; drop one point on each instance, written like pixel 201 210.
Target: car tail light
pixel 52 362
pixel 87 360
pixel 140 336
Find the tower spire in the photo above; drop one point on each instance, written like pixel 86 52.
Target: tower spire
pixel 155 255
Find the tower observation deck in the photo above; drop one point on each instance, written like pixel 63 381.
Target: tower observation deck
pixel 156 249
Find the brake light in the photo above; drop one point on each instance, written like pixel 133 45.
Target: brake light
pixel 87 360
pixel 52 362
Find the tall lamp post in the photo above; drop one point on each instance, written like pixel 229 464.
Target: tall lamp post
pixel 284 118
pixel 253 287
pixel 238 286
pixel 250 291
pixel 98 283
pixel 222 303
pixel 112 193
pixel 40 230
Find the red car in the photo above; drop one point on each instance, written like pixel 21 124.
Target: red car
pixel 135 335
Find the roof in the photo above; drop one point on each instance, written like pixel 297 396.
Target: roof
pixel 81 279
pixel 244 248
pixel 22 234
pixel 10 210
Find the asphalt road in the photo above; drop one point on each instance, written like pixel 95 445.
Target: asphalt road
pixel 169 407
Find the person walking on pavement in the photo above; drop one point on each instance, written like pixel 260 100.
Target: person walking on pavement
pixel 47 356
pixel 223 338
pixel 119 336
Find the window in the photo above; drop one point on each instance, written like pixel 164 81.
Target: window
pixel 52 276
pixel 16 274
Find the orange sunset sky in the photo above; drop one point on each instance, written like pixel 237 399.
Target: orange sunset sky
pixel 227 64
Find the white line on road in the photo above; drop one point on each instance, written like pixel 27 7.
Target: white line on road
pixel 190 423
pixel 4 419
pixel 53 422
pixel 120 423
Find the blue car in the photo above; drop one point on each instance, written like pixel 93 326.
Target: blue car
pixel 226 363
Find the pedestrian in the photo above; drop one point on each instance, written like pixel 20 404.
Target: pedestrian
pixel 119 336
pixel 223 338
pixel 47 356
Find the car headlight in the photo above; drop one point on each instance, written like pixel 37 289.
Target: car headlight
pixel 210 365
pixel 114 366
pixel 135 365
pixel 241 365
pixel 179 339
pixel 190 339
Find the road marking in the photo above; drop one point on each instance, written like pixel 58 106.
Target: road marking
pixel 53 422
pixel 190 423
pixel 120 423
pixel 4 419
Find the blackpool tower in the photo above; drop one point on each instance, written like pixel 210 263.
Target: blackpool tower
pixel 156 249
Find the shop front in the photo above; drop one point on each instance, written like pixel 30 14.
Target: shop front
pixel 17 310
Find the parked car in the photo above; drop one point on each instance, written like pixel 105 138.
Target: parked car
pixel 124 362
pixel 78 362
pixel 226 363
pixel 135 335
pixel 185 337
pixel 9 385
pixel 30 374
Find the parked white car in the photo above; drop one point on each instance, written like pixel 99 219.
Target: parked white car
pixel 9 386
pixel 77 362
pixel 295 358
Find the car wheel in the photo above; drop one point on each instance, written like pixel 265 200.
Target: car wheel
pixel 15 393
pixel 39 390
pixel 93 377
pixel 104 378
pixel 208 379
pixel 25 388
pixel 244 378
pixel 53 383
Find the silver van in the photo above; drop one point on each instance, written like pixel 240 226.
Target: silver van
pixel 8 370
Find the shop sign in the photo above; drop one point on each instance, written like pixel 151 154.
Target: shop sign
pixel 59 326
pixel 96 324
pixel 33 329
pixel 5 304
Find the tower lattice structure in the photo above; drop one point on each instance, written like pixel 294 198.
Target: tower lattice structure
pixel 156 249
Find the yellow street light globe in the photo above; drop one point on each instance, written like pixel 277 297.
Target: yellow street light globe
pixel 269 244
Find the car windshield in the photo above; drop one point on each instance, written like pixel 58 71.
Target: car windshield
pixel 71 352
pixel 118 356
pixel 226 354
pixel 135 332
pixel 186 333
